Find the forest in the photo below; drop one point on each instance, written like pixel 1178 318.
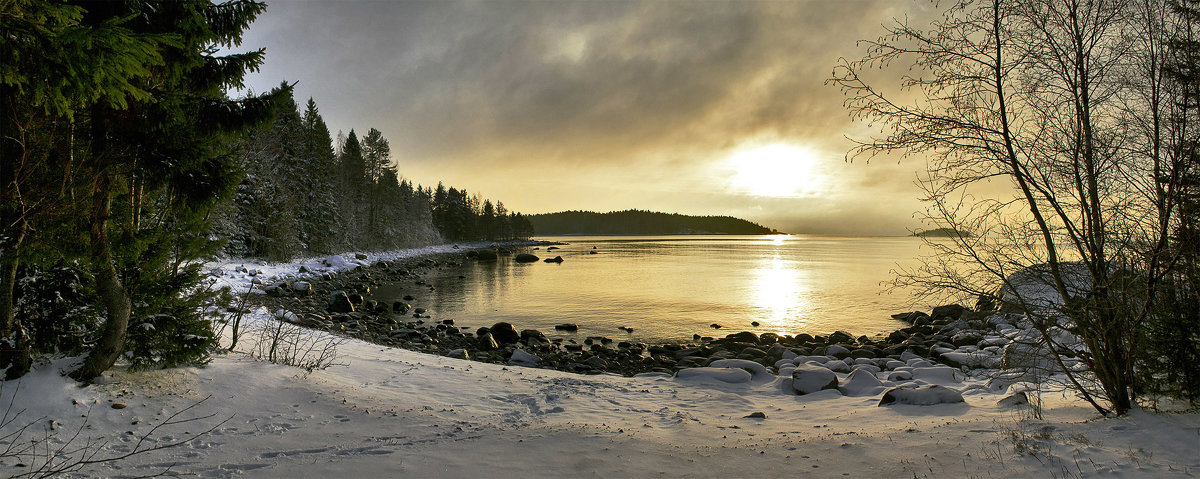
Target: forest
pixel 124 172
pixel 637 222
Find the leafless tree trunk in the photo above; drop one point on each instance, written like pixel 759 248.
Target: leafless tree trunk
pixel 1038 94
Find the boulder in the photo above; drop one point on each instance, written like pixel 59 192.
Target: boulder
pixel 528 335
pixel 570 327
pixel 810 378
pixel 743 337
pixel 752 367
pixel 596 362
pixel 360 256
pixel 522 358
pixel 302 288
pixel 1019 398
pixel 861 382
pixel 952 311
pixel 486 255
pixel 401 307
pixel 921 396
pixel 840 337
pixel 339 302
pixel 458 354
pixel 837 351
pixel 722 375
pixel 487 342
pixel 505 333
pixel 526 258
pixel 556 259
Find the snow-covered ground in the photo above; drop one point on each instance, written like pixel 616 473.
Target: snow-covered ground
pixel 393 413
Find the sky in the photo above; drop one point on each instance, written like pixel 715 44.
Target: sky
pixel 700 107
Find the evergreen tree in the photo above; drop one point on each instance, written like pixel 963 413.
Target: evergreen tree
pixel 156 170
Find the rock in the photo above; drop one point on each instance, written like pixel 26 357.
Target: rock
pixel 952 311
pixel 752 367
pixel 841 337
pixel 566 327
pixel 938 374
pixel 522 358
pixel 556 259
pixel 724 375
pixel 505 333
pixel 486 255
pixel 715 326
pixel 861 382
pixel 809 378
pixel 966 339
pixel 534 335
pixel 459 354
pixel 837 351
pixel 339 302
pixel 743 337
pixel 118 405
pixel 755 415
pixel 401 307
pixel 921 396
pixel 526 258
pixel 487 342
pixel 596 362
pixel 302 288
pixel 1019 398
pixel 360 256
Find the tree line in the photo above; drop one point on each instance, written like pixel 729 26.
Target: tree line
pixel 302 193
pixel 126 165
pixel 1090 111
pixel 637 222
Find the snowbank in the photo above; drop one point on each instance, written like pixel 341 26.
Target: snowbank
pixel 383 412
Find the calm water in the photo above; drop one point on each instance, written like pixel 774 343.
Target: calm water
pixel 670 287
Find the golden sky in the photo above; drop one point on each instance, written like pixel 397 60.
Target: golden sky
pixel 698 107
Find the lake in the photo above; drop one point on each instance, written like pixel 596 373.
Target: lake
pixel 671 287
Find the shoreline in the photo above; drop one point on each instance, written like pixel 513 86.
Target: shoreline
pixel 950 335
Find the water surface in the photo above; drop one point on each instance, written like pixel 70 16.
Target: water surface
pixel 671 287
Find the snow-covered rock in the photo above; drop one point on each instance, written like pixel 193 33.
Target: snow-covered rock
pixel 938 375
pixel 837 366
pixel 522 358
pixel 756 369
pixel 724 375
pixel 921 396
pixel 1019 398
pixel 861 382
pixel 810 378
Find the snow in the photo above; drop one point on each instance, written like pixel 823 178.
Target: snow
pixel 928 395
pixel 382 412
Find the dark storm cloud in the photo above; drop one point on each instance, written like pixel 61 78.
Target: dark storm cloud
pixel 491 86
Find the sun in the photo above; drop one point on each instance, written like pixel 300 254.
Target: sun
pixel 779 170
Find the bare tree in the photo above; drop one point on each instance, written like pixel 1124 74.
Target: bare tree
pixel 1043 137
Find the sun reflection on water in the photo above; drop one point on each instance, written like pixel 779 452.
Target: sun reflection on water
pixel 778 290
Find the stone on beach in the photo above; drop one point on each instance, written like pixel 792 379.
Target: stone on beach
pixel 809 378
pixel 724 375
pixel 928 395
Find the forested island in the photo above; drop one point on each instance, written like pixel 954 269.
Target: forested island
pixel 942 233
pixel 638 222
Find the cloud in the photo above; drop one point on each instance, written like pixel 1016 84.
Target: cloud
pixel 542 104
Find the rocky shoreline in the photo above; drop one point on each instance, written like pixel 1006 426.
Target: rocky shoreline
pixel 952 335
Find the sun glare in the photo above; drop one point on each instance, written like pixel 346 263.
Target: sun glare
pixel 774 170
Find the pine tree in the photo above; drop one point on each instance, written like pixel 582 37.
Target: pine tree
pixel 156 170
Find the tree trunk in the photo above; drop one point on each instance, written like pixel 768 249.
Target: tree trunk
pixel 113 294
pixel 8 279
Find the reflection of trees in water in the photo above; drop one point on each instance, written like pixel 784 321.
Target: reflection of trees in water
pixel 484 283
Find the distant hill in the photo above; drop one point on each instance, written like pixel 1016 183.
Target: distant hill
pixel 941 232
pixel 636 222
